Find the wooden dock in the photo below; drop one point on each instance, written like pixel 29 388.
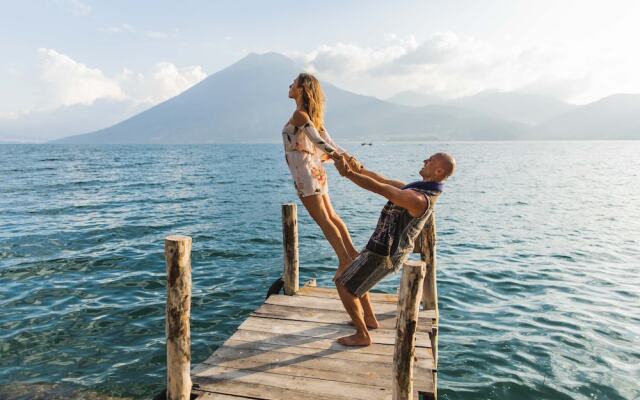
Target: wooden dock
pixel 287 349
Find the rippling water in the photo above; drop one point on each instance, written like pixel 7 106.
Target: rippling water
pixel 539 249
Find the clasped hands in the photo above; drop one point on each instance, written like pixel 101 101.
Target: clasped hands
pixel 346 162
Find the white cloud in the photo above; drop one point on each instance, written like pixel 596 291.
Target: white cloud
pixel 9 115
pixel 76 7
pixel 67 82
pixel 122 28
pixel 163 81
pixel 450 65
pixel 162 34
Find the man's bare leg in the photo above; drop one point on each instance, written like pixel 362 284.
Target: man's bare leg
pixel 354 309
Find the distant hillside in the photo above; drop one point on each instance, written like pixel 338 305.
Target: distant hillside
pixel 614 117
pixel 525 108
pixel 67 120
pixel 414 99
pixel 247 102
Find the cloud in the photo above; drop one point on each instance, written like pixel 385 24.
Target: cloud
pixel 163 81
pixel 76 7
pixel 449 65
pixel 122 28
pixel 162 34
pixel 67 82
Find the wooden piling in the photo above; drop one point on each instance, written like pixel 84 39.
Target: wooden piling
pixel 177 252
pixel 406 326
pixel 430 290
pixel 290 244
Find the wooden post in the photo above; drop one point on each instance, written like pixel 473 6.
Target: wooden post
pixel 430 291
pixel 406 326
pixel 177 252
pixel 290 244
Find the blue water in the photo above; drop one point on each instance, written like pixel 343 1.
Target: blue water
pixel 539 253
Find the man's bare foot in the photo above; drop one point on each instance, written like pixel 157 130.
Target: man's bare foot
pixel 371 323
pixel 355 340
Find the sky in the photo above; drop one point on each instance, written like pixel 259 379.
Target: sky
pixel 62 53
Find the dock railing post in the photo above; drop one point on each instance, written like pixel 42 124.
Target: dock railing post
pixel 406 326
pixel 290 244
pixel 430 292
pixel 177 252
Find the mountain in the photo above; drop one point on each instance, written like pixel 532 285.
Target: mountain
pixel 520 107
pixel 40 126
pixel 414 99
pixel 247 102
pixel 613 117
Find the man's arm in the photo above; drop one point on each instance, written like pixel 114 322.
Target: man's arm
pixel 410 200
pixel 382 179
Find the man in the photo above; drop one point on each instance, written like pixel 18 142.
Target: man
pixel 401 221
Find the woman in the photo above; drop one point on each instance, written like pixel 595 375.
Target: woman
pixel 307 144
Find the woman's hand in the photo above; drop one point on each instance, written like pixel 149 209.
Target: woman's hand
pixel 342 165
pixel 355 164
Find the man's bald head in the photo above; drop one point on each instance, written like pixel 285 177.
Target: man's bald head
pixel 438 167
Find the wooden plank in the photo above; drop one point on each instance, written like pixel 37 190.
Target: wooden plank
pixel 321 303
pixel 236 345
pixel 215 376
pixel 217 396
pixel 313 291
pixel 321 330
pixel 350 371
pixel 386 320
pixel 314 359
pixel 333 304
pixel 256 390
pixel 317 343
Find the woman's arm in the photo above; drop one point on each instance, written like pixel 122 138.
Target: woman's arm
pixel 302 121
pixel 329 140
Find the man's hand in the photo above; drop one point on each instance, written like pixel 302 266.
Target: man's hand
pixel 342 165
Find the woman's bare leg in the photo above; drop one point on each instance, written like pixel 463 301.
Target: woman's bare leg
pixel 315 205
pixel 342 227
pixel 369 316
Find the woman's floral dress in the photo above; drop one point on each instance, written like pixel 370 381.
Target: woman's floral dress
pixel 305 149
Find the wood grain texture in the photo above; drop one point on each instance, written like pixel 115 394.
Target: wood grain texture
pixel 405 340
pixel 290 245
pixel 177 252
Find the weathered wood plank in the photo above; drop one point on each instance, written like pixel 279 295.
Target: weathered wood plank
pixel 311 366
pixel 318 343
pixel 218 396
pixel 334 304
pixel 331 293
pixel 215 376
pixel 233 345
pixel 256 390
pixel 386 320
pixel 320 330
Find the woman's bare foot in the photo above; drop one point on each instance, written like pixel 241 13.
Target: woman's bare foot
pixel 355 340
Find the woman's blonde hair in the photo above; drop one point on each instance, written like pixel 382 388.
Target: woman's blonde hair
pixel 313 98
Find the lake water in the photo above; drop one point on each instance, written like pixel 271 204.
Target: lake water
pixel 539 255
